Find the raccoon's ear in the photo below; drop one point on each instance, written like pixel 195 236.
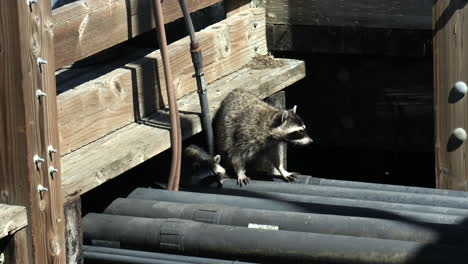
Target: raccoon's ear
pixel 294 109
pixel 217 159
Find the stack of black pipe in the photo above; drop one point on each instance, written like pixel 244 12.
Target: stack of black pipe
pixel 312 221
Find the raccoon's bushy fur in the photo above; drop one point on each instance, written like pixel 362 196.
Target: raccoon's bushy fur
pixel 247 128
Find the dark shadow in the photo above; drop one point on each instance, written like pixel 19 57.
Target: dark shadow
pixel 453 143
pixel 449 11
pixel 146 87
pixel 454 96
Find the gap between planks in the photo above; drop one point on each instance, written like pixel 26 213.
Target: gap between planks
pixel 108 157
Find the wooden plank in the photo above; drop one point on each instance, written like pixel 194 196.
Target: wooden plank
pixel 450 66
pixel 405 14
pixel 349 40
pixel 105 104
pixel 86 27
pixel 16 250
pixel 28 126
pixel 12 219
pixel 114 154
pixel 74 243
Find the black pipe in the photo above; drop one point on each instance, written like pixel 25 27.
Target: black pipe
pixel 281 205
pixel 122 259
pixel 348 193
pixel 197 60
pixel 269 246
pixel 313 223
pixel 305 179
pixel 158 256
pixel 334 201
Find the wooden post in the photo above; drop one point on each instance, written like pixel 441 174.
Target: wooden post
pixel 28 126
pixel 279 100
pixel 450 25
pixel 74 243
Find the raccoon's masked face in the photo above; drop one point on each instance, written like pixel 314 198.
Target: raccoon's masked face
pixel 292 128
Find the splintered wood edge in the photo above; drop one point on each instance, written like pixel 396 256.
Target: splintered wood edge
pixel 12 219
pixel 135 143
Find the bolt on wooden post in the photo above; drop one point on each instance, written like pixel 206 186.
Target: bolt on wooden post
pixel 450 25
pixel 28 126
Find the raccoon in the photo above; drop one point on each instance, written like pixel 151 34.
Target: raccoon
pixel 248 129
pixel 198 164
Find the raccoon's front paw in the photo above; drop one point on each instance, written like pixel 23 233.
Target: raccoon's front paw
pixel 243 180
pixel 290 176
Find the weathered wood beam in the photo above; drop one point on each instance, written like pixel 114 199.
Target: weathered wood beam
pixel 12 219
pixel 404 14
pixel 85 27
pixel 28 125
pixel 74 243
pixel 106 158
pixel 450 20
pixel 100 106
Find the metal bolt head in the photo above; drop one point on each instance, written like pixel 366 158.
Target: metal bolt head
pixel 41 61
pixel 30 2
pixel 40 93
pixel 41 188
pixel 461 87
pixel 51 149
pixel 460 134
pixel 52 170
pixel 38 159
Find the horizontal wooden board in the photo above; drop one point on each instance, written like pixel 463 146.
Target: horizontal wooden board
pixel 85 27
pixel 116 153
pixel 12 219
pixel 403 14
pixel 104 104
pixel 349 40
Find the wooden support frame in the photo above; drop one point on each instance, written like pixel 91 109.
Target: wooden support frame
pixel 450 22
pixel 28 125
pixel 105 104
pixel 85 27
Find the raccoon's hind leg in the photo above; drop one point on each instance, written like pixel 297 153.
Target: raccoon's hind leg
pixel 239 168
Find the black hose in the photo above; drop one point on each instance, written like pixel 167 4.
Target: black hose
pixel 123 259
pixel 326 200
pixel 348 193
pixel 280 205
pixel 157 256
pixel 267 246
pixel 197 60
pixel 312 223
pixel 305 179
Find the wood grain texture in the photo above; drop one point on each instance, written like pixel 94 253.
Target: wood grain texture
pixel 86 27
pixel 450 65
pixel 407 14
pixel 114 154
pixel 12 219
pixel 29 125
pixel 74 243
pixel 107 103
